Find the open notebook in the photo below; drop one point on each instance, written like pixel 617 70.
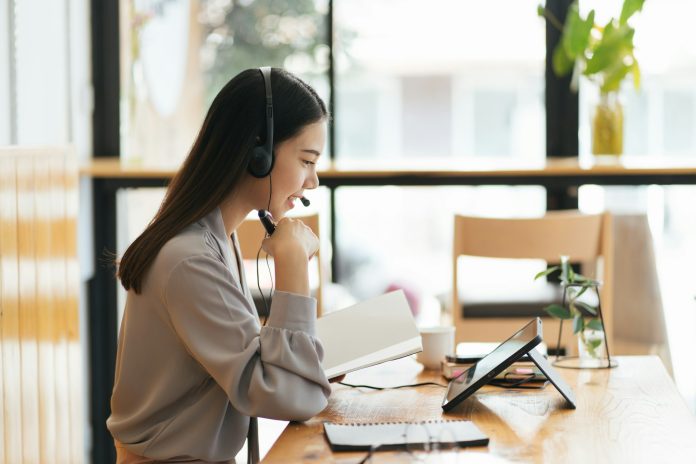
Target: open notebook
pixel 394 435
pixel 375 331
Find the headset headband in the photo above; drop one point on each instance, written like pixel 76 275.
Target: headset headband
pixel 266 73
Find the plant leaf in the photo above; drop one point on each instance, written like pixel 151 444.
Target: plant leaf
pixel 590 309
pixel 558 311
pixel 576 32
pixel 594 324
pixel 616 43
pixel 571 273
pixel 578 324
pixel 562 63
pixel 635 69
pixel 603 51
pixel 613 78
pixel 550 17
pixel 546 272
pixel 591 347
pixel 629 8
pixel 582 290
pixel 565 267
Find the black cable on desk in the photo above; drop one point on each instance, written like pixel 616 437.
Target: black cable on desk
pixel 392 388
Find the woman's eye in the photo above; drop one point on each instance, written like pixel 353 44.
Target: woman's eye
pixel 308 163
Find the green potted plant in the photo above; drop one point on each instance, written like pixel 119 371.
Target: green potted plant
pixel 603 54
pixel 586 318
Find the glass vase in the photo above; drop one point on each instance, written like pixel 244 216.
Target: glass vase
pixel 593 350
pixel 591 347
pixel 607 125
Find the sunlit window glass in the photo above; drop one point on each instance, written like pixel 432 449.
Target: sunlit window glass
pixel 450 78
pixel 177 54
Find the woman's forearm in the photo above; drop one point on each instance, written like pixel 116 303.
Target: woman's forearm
pixel 291 273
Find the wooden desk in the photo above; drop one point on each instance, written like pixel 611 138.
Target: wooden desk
pixel 632 413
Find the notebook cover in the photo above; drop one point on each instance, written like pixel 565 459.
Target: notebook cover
pixel 394 435
pixel 371 332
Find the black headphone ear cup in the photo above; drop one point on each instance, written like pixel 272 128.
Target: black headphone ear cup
pixel 261 162
pixel 261 157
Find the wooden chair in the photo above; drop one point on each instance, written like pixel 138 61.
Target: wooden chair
pixel 250 235
pixel 584 238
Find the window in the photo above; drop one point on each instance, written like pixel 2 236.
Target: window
pixel 177 54
pixel 427 83
pixel 425 80
pixel 6 70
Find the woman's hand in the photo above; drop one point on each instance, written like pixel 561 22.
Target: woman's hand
pixel 292 245
pixel 291 237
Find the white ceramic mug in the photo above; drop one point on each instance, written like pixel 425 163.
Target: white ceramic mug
pixel 437 343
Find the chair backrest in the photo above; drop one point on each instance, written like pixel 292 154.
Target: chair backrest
pixel 557 233
pixel 251 233
pixel 583 237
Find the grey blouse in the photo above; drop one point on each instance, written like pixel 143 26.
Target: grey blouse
pixel 194 363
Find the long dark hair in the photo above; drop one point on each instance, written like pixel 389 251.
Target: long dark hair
pixel 219 157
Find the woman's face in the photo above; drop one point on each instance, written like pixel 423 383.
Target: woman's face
pixel 295 169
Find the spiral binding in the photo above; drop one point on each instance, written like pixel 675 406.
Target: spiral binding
pixel 430 421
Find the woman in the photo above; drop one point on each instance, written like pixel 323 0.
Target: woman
pixel 194 364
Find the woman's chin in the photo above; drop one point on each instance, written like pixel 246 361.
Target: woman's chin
pixel 278 214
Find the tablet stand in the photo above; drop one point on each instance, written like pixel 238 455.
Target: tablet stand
pixel 523 342
pixel 551 374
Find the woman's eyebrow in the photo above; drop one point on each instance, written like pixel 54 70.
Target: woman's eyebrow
pixel 313 152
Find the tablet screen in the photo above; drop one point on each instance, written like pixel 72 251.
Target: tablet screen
pixel 494 362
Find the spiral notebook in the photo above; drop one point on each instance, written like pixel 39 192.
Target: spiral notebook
pixel 395 435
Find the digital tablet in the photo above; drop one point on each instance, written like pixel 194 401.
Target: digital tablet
pixel 511 350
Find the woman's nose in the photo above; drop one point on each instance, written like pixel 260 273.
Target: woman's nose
pixel 312 181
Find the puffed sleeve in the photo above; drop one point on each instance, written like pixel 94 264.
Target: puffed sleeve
pixel 272 371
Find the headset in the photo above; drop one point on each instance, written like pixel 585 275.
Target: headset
pixel 261 159
pixel 261 162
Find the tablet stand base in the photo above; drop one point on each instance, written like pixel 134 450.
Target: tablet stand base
pixel 556 380
pixel 575 362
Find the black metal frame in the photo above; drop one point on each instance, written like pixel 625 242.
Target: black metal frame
pixel 102 311
pixel 561 128
pixel 332 138
pixel 561 110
